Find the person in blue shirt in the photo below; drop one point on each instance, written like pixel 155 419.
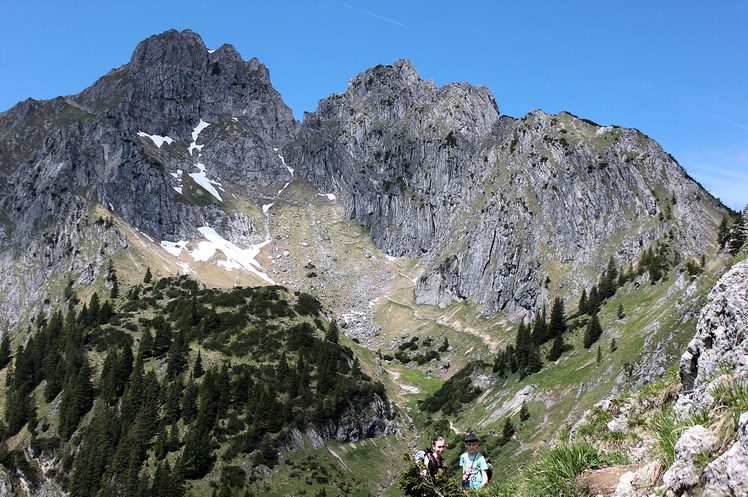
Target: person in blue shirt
pixel 474 465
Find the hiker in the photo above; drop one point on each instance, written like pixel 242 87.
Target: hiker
pixel 474 465
pixel 430 460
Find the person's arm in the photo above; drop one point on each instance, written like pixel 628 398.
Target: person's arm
pixel 484 478
pixel 483 472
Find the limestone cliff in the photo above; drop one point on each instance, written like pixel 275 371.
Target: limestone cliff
pixel 494 204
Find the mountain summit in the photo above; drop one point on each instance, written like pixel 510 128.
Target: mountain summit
pixel 422 220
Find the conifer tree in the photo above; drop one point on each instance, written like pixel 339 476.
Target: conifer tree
pixel 148 276
pixel 556 349
pixel 114 293
pixel 592 332
pixel 534 363
pixel 94 308
pixel 507 432
pixel 583 302
pixel 5 351
pixel 332 334
pixel 737 235
pixel 77 399
pixel 723 232
pixel 197 369
pixel 95 451
pixel 524 413
pixel 557 322
pixel 540 328
pixel 177 359
pixel 163 336
pixel 594 301
pixel 145 347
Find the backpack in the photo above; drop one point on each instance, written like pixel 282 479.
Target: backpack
pixel 426 457
pixel 489 469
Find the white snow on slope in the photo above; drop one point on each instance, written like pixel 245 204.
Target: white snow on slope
pixel 178 176
pixel 158 140
pixel 236 258
pixel 195 134
pixel 330 196
pixel 202 179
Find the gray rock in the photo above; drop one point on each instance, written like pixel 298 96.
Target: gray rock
pixel 726 475
pixel 491 201
pixel 684 473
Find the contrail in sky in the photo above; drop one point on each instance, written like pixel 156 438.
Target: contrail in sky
pixel 369 13
pixel 728 121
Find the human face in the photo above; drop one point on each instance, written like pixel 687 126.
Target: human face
pixel 439 446
pixel 472 446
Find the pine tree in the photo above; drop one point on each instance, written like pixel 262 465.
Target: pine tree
pixel 189 402
pixel 540 329
pixel 5 351
pixel 95 451
pixel 148 276
pixel 94 309
pixel 177 359
pixel 197 369
pixel 114 293
pixel 599 358
pixel 557 323
pixel 522 344
pixel 592 332
pixel 583 302
pixel 332 334
pixel 507 432
pixel 737 235
pixel 534 363
pixel 594 301
pixel 723 233
pixel 163 336
pixel 556 349
pixel 524 413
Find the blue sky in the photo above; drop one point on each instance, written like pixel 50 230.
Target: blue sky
pixel 676 70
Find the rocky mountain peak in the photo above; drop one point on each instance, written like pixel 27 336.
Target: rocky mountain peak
pixel 179 50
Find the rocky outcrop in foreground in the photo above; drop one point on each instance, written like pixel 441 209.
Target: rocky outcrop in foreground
pixel 714 374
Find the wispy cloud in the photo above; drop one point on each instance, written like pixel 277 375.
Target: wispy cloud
pixel 372 14
pixel 728 120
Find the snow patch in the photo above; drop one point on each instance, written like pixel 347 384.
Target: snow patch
pixel 174 248
pixel 235 257
pixel 158 140
pixel 202 179
pixel 195 134
pixel 330 196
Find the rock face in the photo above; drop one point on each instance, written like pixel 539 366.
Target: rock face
pixel 716 358
pixel 136 143
pixel 356 424
pixel 494 204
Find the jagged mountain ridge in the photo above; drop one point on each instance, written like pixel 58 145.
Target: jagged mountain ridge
pixel 61 157
pixel 494 204
pixel 482 229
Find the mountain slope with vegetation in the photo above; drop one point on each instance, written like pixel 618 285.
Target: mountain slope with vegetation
pixel 177 386
pixel 521 278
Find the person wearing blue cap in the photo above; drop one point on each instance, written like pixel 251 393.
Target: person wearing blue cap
pixel 474 465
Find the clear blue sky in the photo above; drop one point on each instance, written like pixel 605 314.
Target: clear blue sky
pixel 676 70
